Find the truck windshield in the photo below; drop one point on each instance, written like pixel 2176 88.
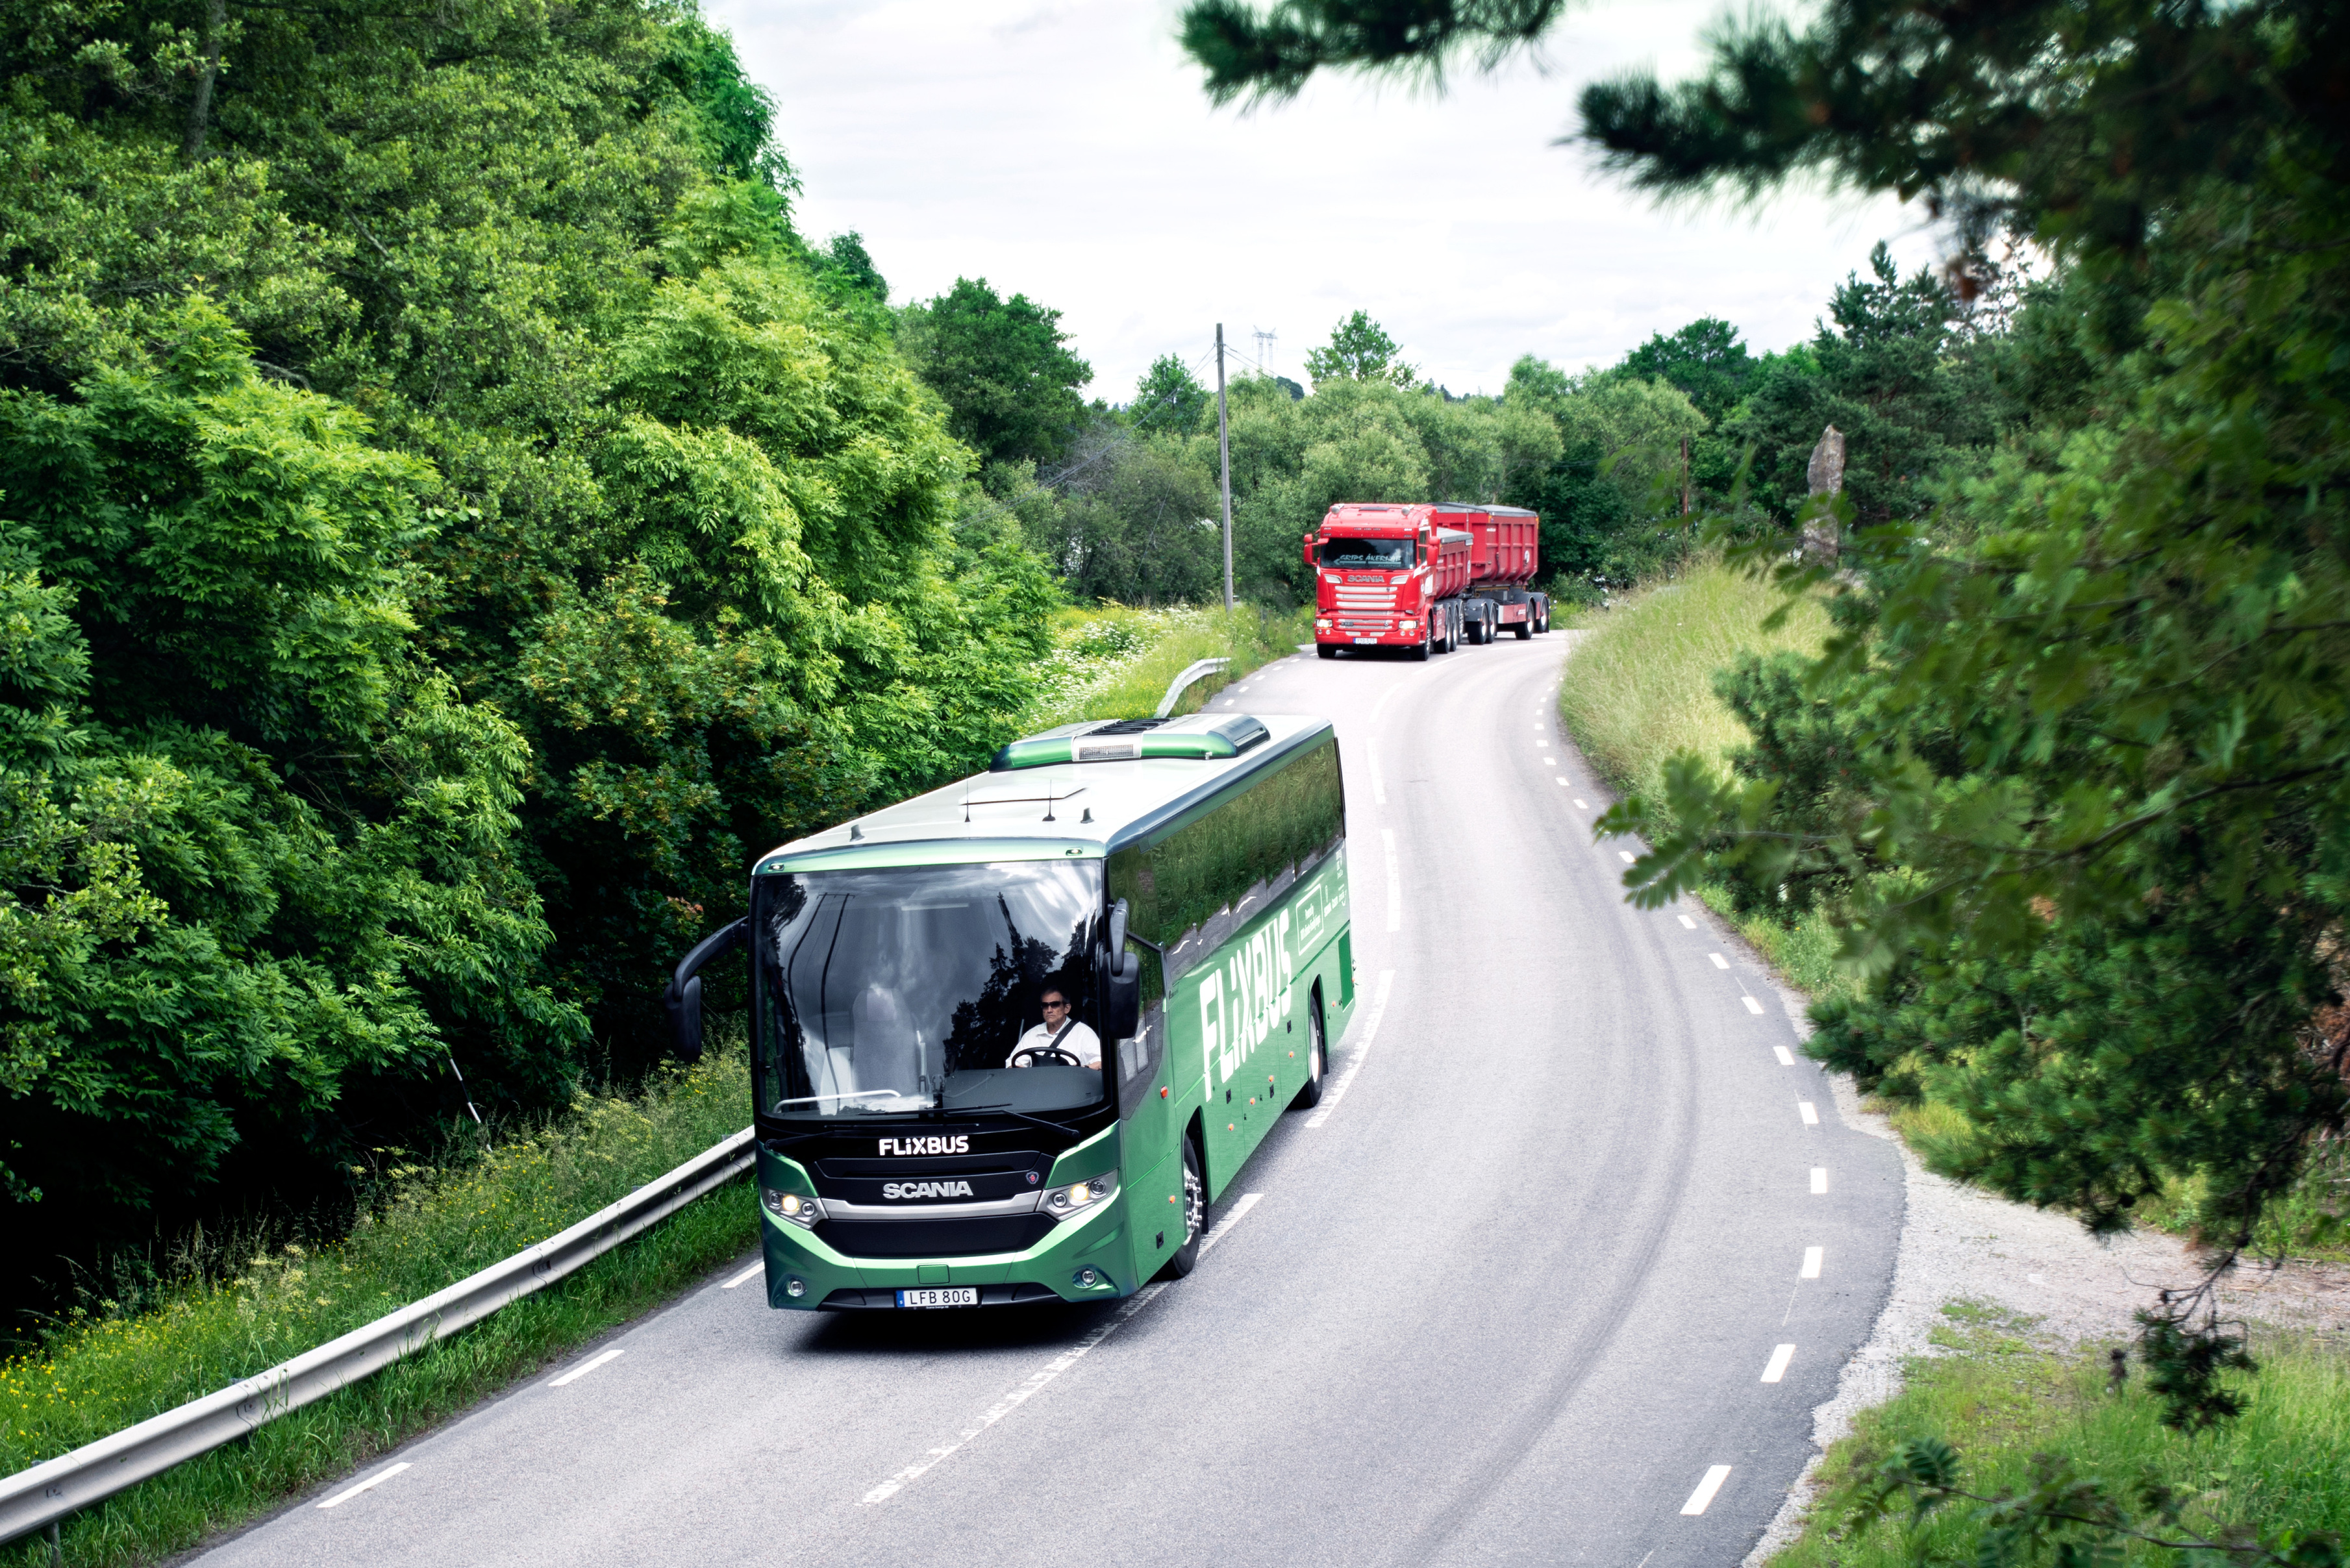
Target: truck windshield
pixel 1367 555
pixel 884 992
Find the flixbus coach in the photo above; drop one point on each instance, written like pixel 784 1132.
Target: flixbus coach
pixel 1181 883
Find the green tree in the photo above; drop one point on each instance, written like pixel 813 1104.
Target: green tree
pixel 1169 397
pixel 846 259
pixel 1705 361
pixel 1360 351
pixel 1004 368
pixel 1611 497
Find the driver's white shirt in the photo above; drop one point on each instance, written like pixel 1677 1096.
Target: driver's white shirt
pixel 1082 1043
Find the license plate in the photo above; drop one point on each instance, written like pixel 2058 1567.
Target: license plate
pixel 952 1295
pixel 1367 639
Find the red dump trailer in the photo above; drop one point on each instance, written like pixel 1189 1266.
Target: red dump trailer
pixel 1387 574
pixel 1504 554
pixel 1422 578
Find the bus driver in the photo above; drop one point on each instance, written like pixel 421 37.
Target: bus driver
pixel 1058 1038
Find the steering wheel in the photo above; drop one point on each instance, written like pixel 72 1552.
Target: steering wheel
pixel 1045 1054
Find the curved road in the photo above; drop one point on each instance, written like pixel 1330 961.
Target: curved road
pixel 1514 1295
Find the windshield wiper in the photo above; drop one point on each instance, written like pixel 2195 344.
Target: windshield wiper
pixel 1024 1116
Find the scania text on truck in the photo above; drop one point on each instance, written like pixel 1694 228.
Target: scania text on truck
pixel 931 1132
pixel 1422 578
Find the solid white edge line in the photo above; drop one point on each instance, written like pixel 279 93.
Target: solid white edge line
pixel 1819 1178
pixel 1344 1081
pixel 585 1368
pixel 744 1277
pixel 1752 1006
pixel 372 1481
pixel 1719 962
pixel 1809 1112
pixel 1395 882
pixel 1778 1368
pixel 1813 1257
pixel 1703 1495
pixel 1786 1057
pixel 1054 1367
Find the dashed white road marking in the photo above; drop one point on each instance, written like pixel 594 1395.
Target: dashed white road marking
pixel 372 1481
pixel 1562 780
pixel 1776 1367
pixel 1812 1259
pixel 1786 1057
pixel 1687 924
pixel 746 1276
pixel 1395 882
pixel 1703 1495
pixel 1719 962
pixel 1819 1178
pixel 1583 804
pixel 1626 855
pixel 1752 1006
pixel 1054 1367
pixel 1344 1081
pixel 584 1369
pixel 1809 1112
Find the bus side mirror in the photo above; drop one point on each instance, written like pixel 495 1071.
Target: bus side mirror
pixel 682 1000
pixel 1122 1011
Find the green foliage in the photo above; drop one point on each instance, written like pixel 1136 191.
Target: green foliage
pixel 1004 368
pixel 1610 498
pixel 1960 1466
pixel 1704 360
pixel 450 524
pixel 1272 53
pixel 1892 371
pixel 1360 351
pixel 1170 397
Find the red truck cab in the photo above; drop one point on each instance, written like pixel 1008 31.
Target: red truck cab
pixel 1387 575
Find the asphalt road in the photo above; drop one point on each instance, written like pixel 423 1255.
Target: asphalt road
pixel 1517 1293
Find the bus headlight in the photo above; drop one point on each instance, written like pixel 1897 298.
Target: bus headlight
pixel 1080 1195
pixel 801 1211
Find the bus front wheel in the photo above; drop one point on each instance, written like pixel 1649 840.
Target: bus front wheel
pixel 1317 1059
pixel 1195 1216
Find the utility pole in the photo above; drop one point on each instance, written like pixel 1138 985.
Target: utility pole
pixel 1225 458
pixel 1685 477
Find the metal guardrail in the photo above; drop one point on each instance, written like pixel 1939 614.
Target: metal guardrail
pixel 55 1487
pixel 1192 672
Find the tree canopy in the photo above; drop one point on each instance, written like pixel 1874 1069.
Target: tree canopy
pixel 1004 368
pixel 1360 351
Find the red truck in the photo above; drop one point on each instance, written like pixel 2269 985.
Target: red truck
pixel 1422 578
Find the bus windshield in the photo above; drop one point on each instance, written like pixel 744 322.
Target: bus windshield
pixel 1367 554
pixel 889 991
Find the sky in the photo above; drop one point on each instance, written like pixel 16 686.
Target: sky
pixel 1064 149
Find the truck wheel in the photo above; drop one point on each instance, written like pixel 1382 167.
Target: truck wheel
pixel 1317 1059
pixel 1328 650
pixel 1195 1216
pixel 1419 650
pixel 1525 629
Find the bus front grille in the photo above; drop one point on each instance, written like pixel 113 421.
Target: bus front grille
pixel 934 1238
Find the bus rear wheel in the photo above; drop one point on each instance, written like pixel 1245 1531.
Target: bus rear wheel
pixel 1195 1216
pixel 1317 1059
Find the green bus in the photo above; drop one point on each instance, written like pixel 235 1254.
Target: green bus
pixel 931 1132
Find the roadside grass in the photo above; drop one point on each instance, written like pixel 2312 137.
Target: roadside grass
pixel 1640 685
pixel 1641 689
pixel 2000 1396
pixel 235 1309
pixel 1115 662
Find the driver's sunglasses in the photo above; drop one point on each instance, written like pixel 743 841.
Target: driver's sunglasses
pixel 1048 1006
